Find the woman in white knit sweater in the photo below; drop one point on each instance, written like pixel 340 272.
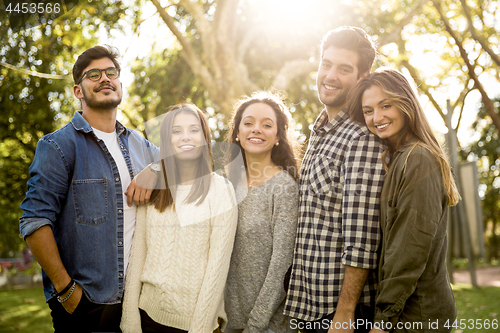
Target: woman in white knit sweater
pixel 183 238
pixel 267 215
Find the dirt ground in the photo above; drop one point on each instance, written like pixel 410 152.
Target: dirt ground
pixel 487 276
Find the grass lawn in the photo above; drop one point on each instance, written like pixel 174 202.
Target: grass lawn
pixel 25 311
pixel 477 305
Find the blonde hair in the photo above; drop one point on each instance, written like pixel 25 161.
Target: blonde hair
pixel 398 90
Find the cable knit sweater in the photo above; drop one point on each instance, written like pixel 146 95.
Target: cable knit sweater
pixel 179 261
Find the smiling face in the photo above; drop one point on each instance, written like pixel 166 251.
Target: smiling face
pixel 102 94
pixel 187 137
pixel 258 130
pixel 382 117
pixel 337 75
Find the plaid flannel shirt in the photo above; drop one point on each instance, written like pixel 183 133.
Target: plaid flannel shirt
pixel 340 184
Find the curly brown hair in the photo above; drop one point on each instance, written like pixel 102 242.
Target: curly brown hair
pixel 287 154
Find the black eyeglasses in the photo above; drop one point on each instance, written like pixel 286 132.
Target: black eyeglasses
pixel 95 74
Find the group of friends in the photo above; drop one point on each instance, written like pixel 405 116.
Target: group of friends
pixel 350 238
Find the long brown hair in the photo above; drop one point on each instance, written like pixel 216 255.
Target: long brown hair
pixel 398 90
pixel 286 154
pixel 164 194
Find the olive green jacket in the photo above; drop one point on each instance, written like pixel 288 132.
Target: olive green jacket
pixel 413 281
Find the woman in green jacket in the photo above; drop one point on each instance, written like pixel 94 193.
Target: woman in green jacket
pixel 414 293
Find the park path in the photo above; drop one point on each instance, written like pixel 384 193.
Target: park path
pixel 487 276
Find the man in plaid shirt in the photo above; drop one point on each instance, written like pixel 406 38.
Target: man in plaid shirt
pixel 332 284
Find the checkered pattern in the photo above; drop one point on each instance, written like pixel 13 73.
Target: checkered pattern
pixel 340 184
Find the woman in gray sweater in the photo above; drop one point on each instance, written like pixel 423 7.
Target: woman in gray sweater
pixel 267 193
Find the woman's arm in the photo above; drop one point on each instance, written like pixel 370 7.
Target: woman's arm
pixel 411 230
pixel 272 293
pixel 223 223
pixel 131 318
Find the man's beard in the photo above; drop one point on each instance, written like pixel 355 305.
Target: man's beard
pixel 103 105
pixel 338 100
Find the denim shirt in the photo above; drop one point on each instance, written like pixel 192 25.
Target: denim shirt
pixel 75 188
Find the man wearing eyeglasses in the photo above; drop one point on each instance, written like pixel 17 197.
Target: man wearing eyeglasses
pixel 76 220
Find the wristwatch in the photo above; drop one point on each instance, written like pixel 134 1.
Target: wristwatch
pixel 155 166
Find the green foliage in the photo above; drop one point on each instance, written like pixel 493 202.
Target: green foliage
pixel 33 103
pixel 305 107
pixel 161 80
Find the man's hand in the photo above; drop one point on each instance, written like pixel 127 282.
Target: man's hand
pixel 141 187
pixel 342 322
pixel 71 304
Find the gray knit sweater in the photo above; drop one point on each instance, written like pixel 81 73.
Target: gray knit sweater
pixel 262 253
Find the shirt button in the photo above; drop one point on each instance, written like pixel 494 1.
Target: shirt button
pixel 117 179
pixel 119 210
pixel 120 243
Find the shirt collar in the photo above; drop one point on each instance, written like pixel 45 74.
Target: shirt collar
pixel 322 125
pixel 80 124
pixel 411 141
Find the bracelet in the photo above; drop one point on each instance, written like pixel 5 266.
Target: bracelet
pixel 62 300
pixel 65 290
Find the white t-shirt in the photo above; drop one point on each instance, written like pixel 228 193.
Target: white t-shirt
pixel 111 141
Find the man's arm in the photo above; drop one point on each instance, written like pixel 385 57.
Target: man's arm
pixel 44 248
pixel 364 174
pixel 354 281
pixel 47 188
pixel 141 187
